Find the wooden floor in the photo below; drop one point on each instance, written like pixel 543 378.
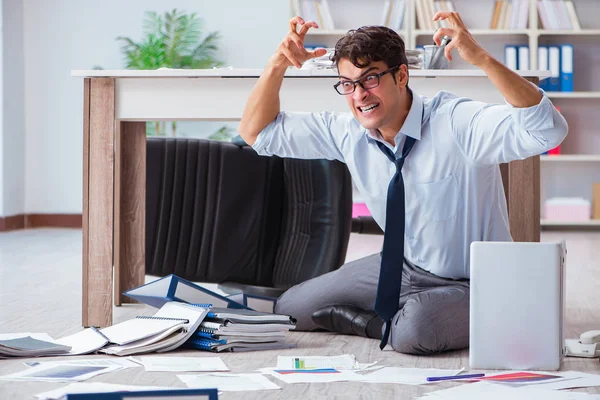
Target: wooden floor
pixel 40 291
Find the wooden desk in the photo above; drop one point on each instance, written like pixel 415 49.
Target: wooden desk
pixel 116 105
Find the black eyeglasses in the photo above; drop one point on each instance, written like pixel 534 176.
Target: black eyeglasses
pixel 366 82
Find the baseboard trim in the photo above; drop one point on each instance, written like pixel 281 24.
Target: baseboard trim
pixel 23 221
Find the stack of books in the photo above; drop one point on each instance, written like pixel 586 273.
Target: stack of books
pixel 236 330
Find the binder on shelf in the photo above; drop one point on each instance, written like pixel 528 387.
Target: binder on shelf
pixel 543 65
pixel 555 151
pixel 596 201
pixel 523 58
pixel 553 84
pixel 174 288
pixel 566 68
pixel 572 15
pixel 397 15
pixel 511 57
pixel 386 13
pixel 196 394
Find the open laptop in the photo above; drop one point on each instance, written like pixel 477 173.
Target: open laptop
pixel 516 305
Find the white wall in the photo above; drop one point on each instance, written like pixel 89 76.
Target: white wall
pixel 61 35
pixel 1 112
pixel 13 121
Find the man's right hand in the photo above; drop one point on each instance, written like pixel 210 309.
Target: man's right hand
pixel 291 50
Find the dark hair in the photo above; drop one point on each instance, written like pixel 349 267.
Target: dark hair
pixel 368 44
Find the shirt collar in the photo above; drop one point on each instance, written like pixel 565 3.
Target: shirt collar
pixel 412 123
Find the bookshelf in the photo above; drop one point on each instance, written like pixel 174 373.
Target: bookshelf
pixel 573 172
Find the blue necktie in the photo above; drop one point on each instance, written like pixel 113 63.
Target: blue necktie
pixel 392 257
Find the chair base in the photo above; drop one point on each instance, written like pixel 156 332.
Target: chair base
pixel 263 291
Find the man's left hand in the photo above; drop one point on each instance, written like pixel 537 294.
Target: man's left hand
pixel 462 40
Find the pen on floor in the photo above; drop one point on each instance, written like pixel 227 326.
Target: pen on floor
pixel 448 378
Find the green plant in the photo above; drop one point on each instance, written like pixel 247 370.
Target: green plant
pixel 172 40
pixel 223 134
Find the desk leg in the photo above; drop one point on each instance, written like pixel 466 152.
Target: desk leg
pixel 522 188
pixel 98 158
pixel 522 184
pixel 130 208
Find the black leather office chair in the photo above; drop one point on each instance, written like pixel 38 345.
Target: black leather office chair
pixel 218 212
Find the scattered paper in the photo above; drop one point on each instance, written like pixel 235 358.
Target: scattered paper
pixel 318 376
pixel 571 379
pixel 522 377
pixel 182 364
pixel 55 372
pixel 228 382
pixel 343 362
pixel 94 387
pixel 493 391
pixel 405 376
pixel 119 362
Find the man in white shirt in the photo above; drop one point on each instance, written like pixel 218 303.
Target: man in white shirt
pixel 453 188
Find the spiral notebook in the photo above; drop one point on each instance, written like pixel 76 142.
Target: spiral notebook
pixel 140 328
pixel 183 319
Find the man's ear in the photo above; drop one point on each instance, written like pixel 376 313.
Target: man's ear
pixel 402 75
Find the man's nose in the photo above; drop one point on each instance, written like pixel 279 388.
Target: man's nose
pixel 359 92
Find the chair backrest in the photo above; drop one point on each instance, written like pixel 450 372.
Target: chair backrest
pixel 317 219
pixel 219 212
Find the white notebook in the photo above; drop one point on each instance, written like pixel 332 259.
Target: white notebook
pixel 141 328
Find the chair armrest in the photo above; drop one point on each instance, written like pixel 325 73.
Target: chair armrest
pixel 365 225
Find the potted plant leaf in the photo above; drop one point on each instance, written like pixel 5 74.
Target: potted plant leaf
pixel 173 40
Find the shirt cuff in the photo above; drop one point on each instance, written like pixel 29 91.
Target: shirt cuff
pixel 534 118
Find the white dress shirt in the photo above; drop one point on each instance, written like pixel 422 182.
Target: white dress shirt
pixel 454 191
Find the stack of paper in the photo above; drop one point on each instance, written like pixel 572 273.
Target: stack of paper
pixel 24 345
pixel 241 330
pixel 41 344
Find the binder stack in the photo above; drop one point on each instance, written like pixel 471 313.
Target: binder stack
pixel 236 330
pixel 559 60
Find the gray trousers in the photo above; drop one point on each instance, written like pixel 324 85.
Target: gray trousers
pixel 433 312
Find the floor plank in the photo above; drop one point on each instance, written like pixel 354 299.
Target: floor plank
pixel 40 291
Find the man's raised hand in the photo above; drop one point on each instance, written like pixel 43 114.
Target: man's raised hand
pixel 462 40
pixel 291 50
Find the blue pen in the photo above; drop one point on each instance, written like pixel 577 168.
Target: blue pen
pixel 447 378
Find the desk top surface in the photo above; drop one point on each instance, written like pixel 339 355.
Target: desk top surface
pixel 253 73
